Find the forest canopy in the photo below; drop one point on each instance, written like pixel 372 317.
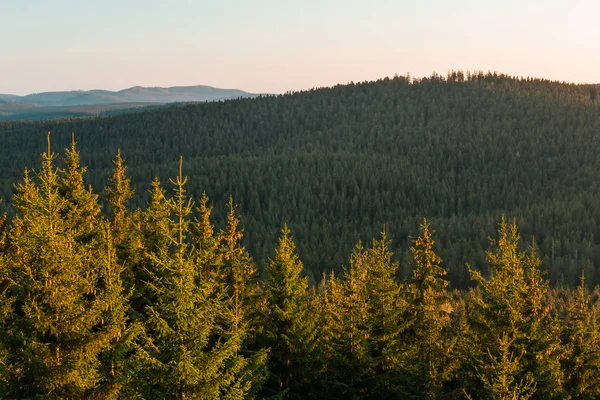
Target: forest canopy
pixel 338 163
pixel 159 303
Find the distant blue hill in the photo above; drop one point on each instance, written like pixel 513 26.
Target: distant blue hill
pixel 49 105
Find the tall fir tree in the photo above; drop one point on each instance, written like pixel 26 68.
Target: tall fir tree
pixel 115 360
pixel 125 225
pixel 181 357
pixel 384 314
pixel 58 327
pixel 239 288
pixel 515 332
pixel 288 323
pixel 344 331
pixel 430 361
pixel 582 341
pixel 6 308
pixel 81 209
pixel 118 192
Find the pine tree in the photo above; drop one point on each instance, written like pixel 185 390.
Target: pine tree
pixel 239 280
pixel 125 225
pixel 115 360
pixel 288 324
pixel 6 310
pixel 343 331
pixel 155 240
pixel 81 207
pixel 384 314
pixel 516 334
pixel 239 273
pixel 357 360
pixel 541 331
pixel 58 327
pixel 181 358
pixel 431 361
pixel 207 244
pixel 582 334
pixel 118 192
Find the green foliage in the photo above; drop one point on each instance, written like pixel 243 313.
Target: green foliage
pixel 338 163
pixel 67 311
pixel 288 321
pixel 582 364
pixel 161 303
pixel 515 331
pixel 182 355
pixel 430 360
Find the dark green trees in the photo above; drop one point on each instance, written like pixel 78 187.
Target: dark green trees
pixel 179 357
pixel 288 321
pixel 67 308
pixel 161 303
pixel 514 327
pixel 360 325
pixel 429 358
pixel 195 324
pixel 582 340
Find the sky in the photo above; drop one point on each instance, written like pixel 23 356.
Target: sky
pixel 273 46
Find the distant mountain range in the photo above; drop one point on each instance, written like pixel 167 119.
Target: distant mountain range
pixel 78 103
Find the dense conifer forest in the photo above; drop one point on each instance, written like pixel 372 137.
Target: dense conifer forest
pixel 338 163
pixel 161 303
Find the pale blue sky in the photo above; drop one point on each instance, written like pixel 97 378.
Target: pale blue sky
pixel 279 45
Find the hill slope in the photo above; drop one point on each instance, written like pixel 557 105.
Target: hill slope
pixel 339 163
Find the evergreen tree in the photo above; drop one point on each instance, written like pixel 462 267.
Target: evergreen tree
pixel 207 244
pixel 344 331
pixel 239 284
pixel 357 361
pixel 181 358
pixel 384 308
pixel 582 337
pixel 516 335
pixel 541 331
pixel 6 309
pixel 81 208
pixel 118 192
pixel 155 239
pixel 431 362
pixel 58 327
pixel 115 360
pixel 125 225
pixel 288 323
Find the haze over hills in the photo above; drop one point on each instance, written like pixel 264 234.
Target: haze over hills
pixel 95 102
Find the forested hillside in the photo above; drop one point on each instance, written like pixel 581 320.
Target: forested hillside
pixel 162 304
pixel 338 163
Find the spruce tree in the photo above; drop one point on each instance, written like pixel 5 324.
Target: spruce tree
pixel 582 341
pixel 288 324
pixel 343 331
pixel 356 356
pixel 6 310
pixel 115 360
pixel 181 356
pixel 430 360
pixel 125 225
pixel 118 192
pixel 383 314
pixel 81 208
pixel 516 336
pixel 239 288
pixel 208 249
pixel 58 327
